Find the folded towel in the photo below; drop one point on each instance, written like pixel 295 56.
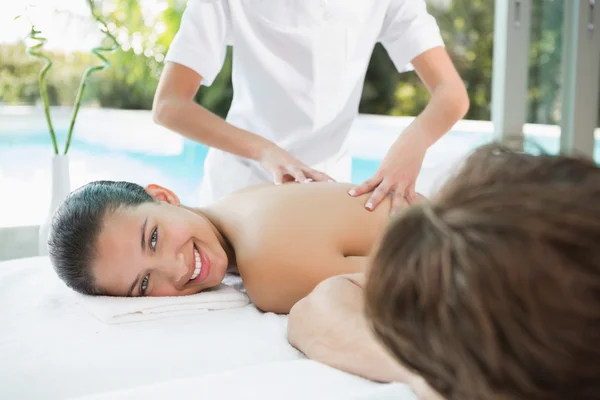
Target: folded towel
pixel 117 310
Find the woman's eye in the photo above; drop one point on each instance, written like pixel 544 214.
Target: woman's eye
pixel 154 239
pixel 144 285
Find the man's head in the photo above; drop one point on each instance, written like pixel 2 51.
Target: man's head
pixel 117 238
pixel 491 290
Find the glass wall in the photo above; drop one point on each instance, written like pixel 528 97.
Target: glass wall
pixel 597 133
pixel 544 100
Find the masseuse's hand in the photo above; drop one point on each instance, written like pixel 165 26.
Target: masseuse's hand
pixel 286 168
pixel 397 173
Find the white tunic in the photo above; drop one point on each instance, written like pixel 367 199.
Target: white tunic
pixel 298 71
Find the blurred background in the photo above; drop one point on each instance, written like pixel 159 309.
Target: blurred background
pixel 145 28
pixel 116 139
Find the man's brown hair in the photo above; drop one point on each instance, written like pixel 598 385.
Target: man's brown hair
pixel 491 290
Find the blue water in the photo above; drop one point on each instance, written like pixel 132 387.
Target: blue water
pixel 25 162
pixel 191 158
pixel 187 166
pixel 26 157
pixel 25 173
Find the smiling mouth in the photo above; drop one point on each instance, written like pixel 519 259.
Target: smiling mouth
pixel 197 264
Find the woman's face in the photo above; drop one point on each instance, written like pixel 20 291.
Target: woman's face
pixel 158 249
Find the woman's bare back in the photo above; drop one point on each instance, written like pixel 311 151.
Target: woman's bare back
pixel 289 238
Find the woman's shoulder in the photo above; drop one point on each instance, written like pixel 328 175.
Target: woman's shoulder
pixel 288 195
pixel 305 205
pixel 311 213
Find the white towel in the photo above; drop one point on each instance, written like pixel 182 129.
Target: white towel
pixel 117 310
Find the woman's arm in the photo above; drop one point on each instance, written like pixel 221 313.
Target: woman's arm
pixel 174 108
pixel 449 99
pixel 400 168
pixel 328 326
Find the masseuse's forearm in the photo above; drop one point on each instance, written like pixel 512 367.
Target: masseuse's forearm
pixel 199 124
pixel 448 104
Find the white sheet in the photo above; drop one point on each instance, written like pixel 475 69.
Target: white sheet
pixel 118 310
pixel 289 380
pixel 51 348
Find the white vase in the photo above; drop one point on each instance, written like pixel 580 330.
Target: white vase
pixel 61 187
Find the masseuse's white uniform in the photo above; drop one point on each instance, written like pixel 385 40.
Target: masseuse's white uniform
pixel 298 72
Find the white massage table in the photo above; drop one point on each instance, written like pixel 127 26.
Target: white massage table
pixel 52 348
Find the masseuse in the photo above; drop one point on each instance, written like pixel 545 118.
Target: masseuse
pixel 298 73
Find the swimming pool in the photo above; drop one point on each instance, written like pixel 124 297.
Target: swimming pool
pixel 104 149
pixel 25 173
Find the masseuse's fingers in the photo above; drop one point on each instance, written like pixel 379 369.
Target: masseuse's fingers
pixel 366 186
pixel 277 177
pixel 297 173
pixel 410 194
pixel 378 195
pixel 398 201
pixel 318 176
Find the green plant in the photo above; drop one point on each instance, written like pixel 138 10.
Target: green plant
pixel 35 51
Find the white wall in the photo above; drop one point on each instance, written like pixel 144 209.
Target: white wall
pixel 18 242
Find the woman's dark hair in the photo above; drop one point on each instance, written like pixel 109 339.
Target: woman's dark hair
pixel 491 290
pixel 77 224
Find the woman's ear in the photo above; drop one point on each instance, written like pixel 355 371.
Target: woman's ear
pixel 162 194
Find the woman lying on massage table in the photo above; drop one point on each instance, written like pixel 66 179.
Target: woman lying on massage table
pixel 119 239
pixel 490 290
